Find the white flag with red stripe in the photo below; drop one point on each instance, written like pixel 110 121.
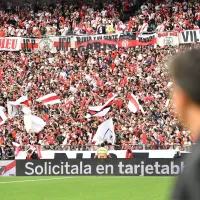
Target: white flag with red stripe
pixel 52 98
pixel 133 104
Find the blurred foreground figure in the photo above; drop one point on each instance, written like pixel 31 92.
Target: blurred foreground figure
pixel 185 70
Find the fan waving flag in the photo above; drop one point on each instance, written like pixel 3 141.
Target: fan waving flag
pixel 101 111
pixel 49 99
pixel 100 108
pixel 105 132
pixel 133 104
pixel 98 114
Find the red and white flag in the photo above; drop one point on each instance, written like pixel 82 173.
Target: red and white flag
pixel 69 102
pixel 133 104
pixel 49 99
pixel 106 104
pixel 101 113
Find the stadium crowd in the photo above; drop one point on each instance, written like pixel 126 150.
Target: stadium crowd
pixel 97 17
pixel 89 81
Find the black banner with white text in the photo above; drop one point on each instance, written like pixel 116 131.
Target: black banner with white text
pixel 95 167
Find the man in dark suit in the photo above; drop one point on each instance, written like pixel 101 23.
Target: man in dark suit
pixel 185 69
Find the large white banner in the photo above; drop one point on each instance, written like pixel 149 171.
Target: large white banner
pixel 49 44
pixel 167 38
pixel 10 43
pixel 189 36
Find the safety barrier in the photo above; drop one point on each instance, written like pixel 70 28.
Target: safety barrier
pixel 93 147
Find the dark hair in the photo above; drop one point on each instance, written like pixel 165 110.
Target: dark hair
pixel 185 69
pixel 102 144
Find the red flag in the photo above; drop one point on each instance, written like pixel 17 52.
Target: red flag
pixel 50 140
pixel 38 151
pixel 1 72
pixel 61 79
pixel 160 138
pixel 144 138
pixel 100 83
pixel 110 95
pixel 10 79
pixel 118 103
pixel 128 96
pixel 151 68
pixel 92 112
pixel 112 66
pixel 46 117
pixel 125 80
pixel 88 101
pixel 68 103
pixel 149 98
pixel 26 61
pixel 121 83
pixel 127 65
pixel 134 68
pixel 24 68
pixel 83 102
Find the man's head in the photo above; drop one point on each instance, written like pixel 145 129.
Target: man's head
pixel 185 69
pixel 102 144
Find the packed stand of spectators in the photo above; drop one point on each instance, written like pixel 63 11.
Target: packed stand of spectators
pixel 88 82
pixel 97 17
pixel 92 79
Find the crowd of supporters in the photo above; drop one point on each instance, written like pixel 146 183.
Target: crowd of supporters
pixel 97 17
pixel 89 80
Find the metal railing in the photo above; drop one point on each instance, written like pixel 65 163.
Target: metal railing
pixel 92 147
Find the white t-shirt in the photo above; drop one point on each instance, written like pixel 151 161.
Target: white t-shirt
pixel 73 89
pixel 11 30
pixel 103 13
pixel 157 7
pixel 63 74
pixel 64 31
